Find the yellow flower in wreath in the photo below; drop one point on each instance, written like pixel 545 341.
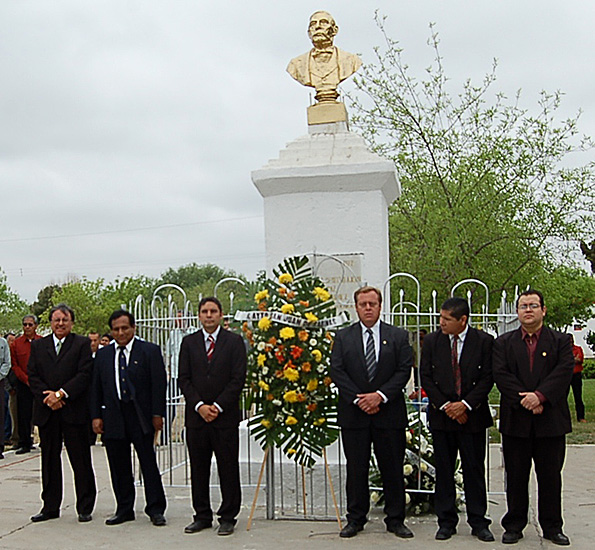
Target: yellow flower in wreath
pixel 263 385
pixel 290 396
pixel 317 354
pixel 310 317
pixel 261 359
pixel 266 423
pixel 291 420
pixel 285 278
pixel 291 451
pixel 286 333
pixel 260 296
pixel 312 385
pixel 287 308
pixel 319 422
pixel 291 374
pixel 264 324
pixel 321 294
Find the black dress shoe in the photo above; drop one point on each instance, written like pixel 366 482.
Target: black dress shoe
pixel 444 533
pixel 198 525
pixel 84 518
pixel 483 534
pixel 22 451
pixel 158 520
pixel 120 518
pixel 350 530
pixel 401 530
pixel 225 528
pixel 511 537
pixel 558 538
pixel 44 516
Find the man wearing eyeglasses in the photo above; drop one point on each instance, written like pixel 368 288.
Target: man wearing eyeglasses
pixel 532 367
pixel 20 350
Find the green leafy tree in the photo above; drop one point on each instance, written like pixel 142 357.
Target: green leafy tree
pixel 569 296
pixel 200 280
pixel 487 189
pixel 12 307
pixel 44 299
pixel 93 300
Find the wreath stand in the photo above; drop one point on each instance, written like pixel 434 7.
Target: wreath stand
pixel 328 475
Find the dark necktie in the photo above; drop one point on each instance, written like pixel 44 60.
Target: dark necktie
pixel 456 369
pixel 123 371
pixel 371 365
pixel 211 346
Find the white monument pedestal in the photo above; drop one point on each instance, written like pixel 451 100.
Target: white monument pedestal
pixel 327 193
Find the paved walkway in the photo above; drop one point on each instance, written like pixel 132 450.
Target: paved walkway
pixel 19 499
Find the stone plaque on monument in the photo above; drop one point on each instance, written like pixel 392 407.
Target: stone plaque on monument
pixel 342 275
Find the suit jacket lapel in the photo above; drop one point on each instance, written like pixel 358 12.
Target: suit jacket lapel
pixel 521 353
pixel 541 351
pixel 468 346
pixel 219 343
pixel 51 348
pixel 359 343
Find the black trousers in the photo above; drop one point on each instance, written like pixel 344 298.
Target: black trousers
pixel 224 443
pixel 389 450
pixel 547 454
pixel 577 390
pixel 24 414
pixel 119 457
pixel 472 448
pixel 77 446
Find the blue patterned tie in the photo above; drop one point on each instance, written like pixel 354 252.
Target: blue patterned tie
pixel 371 365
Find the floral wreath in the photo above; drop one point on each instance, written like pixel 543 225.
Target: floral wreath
pixel 289 360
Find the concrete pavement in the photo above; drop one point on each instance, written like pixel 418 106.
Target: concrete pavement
pixel 20 489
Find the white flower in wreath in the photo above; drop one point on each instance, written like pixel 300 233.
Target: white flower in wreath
pixel 320 369
pixel 313 342
pixel 423 467
pixel 458 479
pixel 423 445
pixel 276 402
pixel 408 436
pixel 407 470
pixel 265 371
pixel 374 497
pixel 261 346
pixel 407 498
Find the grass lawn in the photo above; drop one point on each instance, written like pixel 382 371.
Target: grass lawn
pixel 581 433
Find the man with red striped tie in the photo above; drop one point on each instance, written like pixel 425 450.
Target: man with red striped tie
pixel 212 372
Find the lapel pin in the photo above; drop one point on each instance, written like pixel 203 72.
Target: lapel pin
pixel 544 354
pixel 384 342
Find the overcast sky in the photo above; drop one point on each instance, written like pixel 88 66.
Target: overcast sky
pixel 129 129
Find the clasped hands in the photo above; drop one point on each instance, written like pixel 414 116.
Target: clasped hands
pixel 52 401
pixel 457 411
pixel 369 402
pixel 208 412
pixel 531 402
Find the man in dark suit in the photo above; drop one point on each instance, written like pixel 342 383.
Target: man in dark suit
pixel 59 371
pixel 370 365
pixel 456 374
pixel 127 407
pixel 212 372
pixel 532 368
